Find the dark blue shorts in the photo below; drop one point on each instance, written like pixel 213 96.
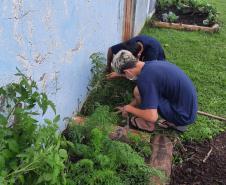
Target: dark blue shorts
pixel 167 112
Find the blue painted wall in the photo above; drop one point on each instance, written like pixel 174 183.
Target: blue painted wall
pixel 51 40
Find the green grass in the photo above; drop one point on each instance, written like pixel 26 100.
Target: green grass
pixel 203 57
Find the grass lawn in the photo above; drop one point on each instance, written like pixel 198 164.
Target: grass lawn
pixel 203 57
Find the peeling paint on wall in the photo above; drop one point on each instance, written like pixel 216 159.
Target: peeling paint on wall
pixel 24 61
pixel 52 41
pixel 49 82
pixel 16 12
pixel 70 54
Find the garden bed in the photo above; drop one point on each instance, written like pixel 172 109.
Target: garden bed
pixel 189 15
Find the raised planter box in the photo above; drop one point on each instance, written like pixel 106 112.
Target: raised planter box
pixel 179 26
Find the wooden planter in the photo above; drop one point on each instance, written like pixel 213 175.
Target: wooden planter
pixel 179 26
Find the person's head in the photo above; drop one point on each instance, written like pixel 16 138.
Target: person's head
pixel 136 48
pixel 123 62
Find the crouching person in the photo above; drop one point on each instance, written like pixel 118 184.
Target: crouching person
pixel 162 89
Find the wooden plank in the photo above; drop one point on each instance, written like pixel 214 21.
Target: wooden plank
pixel 187 27
pixel 162 154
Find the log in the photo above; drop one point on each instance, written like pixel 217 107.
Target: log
pixel 179 26
pixel 162 154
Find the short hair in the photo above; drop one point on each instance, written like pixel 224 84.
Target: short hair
pixel 132 46
pixel 123 60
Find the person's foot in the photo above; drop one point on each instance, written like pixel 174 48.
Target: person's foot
pixel 141 124
pixel 166 124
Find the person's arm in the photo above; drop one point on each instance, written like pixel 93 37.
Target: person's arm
pixel 113 75
pixel 109 60
pixel 150 115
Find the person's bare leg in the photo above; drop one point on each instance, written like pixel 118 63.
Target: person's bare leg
pixel 141 123
pixel 136 97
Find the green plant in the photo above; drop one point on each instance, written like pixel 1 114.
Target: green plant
pixel 105 92
pixel 177 159
pixel 169 17
pixel 162 4
pixel 211 18
pixel 102 160
pixel 188 7
pixel 140 145
pixel 29 153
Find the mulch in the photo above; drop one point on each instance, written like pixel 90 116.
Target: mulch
pixel 197 168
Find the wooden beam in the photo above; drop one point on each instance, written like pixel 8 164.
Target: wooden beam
pixel 187 27
pixel 162 154
pixel 128 19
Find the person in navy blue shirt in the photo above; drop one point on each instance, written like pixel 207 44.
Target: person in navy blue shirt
pixel 162 88
pixel 143 47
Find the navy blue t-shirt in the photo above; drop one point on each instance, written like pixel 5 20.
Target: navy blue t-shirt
pixel 152 48
pixel 166 87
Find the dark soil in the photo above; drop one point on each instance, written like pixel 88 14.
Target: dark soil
pixel 186 17
pixel 193 171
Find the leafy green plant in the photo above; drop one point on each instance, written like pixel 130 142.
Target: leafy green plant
pixel 169 17
pixel 29 153
pixel 162 4
pixel 102 160
pixel 105 92
pixel 191 7
pixel 140 145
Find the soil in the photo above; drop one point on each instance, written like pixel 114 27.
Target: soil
pixel 188 17
pixel 194 171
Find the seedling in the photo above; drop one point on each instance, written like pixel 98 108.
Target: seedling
pixel 169 17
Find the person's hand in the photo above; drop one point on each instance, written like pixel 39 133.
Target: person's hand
pixel 121 109
pixel 112 75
